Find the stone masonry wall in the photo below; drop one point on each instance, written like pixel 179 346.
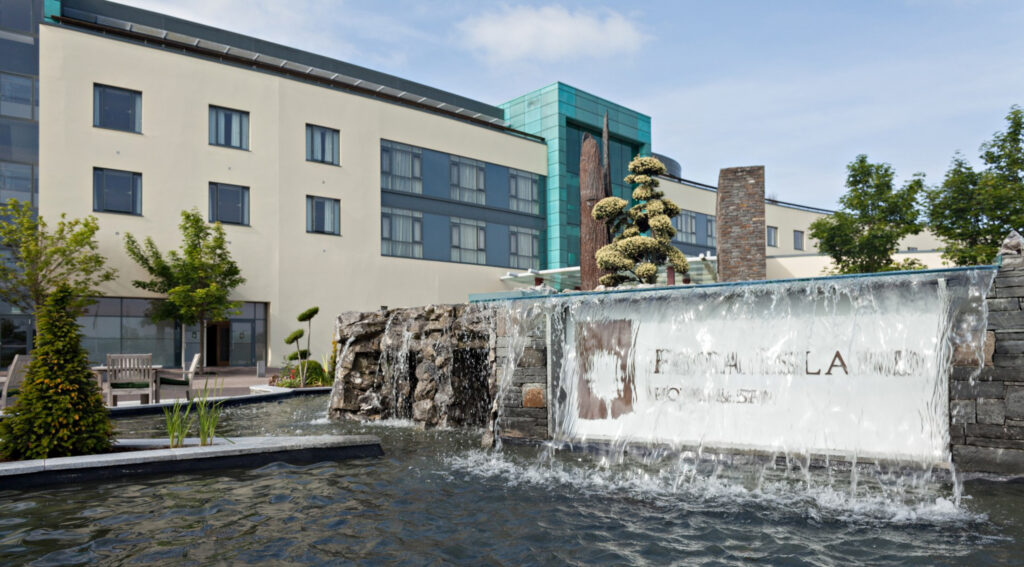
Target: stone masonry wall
pixel 442 365
pixel 740 224
pixel 987 410
pixel 524 395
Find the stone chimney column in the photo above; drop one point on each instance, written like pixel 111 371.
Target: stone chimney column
pixel 740 224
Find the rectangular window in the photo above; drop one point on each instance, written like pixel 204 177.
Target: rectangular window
pixel 400 167
pixel 524 248
pixel 16 182
pixel 322 144
pixel 115 191
pixel 16 96
pixel 323 215
pixel 468 241
pixel 229 204
pixel 229 128
pixel 685 224
pixel 523 191
pixel 401 233
pixel 117 109
pixel 798 240
pixel 467 180
pixel 773 236
pixel 711 231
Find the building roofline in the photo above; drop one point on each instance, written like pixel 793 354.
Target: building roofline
pixel 557 84
pixel 232 55
pixel 707 187
pixel 169 23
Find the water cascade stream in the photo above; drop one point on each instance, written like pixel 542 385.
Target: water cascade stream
pixel 838 386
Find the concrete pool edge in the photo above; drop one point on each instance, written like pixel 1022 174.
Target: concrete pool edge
pixel 150 456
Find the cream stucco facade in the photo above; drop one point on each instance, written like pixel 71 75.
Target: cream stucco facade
pixel 285 267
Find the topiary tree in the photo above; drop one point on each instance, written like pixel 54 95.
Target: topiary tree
pixel 302 354
pixel 642 233
pixel 60 410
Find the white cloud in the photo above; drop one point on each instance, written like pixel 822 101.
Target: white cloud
pixel 549 33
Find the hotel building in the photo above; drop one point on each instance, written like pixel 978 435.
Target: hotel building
pixel 338 186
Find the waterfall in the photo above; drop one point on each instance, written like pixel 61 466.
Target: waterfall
pixel 846 375
pixel 338 386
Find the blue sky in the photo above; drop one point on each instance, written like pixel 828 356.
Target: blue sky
pixel 800 87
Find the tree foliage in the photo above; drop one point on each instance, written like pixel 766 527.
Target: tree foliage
pixel 59 411
pixel 642 233
pixel 41 260
pixel 197 280
pixel 973 211
pixel 874 216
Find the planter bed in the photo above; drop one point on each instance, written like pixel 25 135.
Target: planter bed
pixel 151 456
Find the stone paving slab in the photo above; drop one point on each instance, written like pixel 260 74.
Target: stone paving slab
pixel 151 456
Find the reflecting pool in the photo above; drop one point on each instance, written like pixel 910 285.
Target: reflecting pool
pixel 437 498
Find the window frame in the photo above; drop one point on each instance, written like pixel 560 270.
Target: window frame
pixel 311 201
pixel 97 107
pixel 99 195
pixel 457 191
pixel 313 129
pixel 772 236
pixel 386 236
pixel 514 254
pixel 33 94
pixel 680 221
pixel 214 210
pixel 244 128
pixel 33 182
pixel 391 181
pixel 459 253
pixel 529 205
pixel 800 241
pixel 712 237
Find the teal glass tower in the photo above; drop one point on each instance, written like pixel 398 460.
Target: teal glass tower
pixel 562 114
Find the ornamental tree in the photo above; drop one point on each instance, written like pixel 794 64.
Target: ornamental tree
pixel 874 216
pixel 302 354
pixel 972 211
pixel 59 411
pixel 41 260
pixel 197 281
pixel 642 234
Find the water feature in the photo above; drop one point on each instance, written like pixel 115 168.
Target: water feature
pixel 436 497
pixel 680 484
pixel 842 368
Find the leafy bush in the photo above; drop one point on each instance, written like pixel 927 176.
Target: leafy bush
pixel 60 410
pixel 315 375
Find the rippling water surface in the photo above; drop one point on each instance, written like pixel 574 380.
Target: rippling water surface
pixel 436 498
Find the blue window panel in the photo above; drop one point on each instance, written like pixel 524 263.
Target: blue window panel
pixel 702 229
pixel 19 141
pixel 436 175
pixel 229 128
pixel 497 244
pixel 117 191
pixel 437 240
pixel 19 56
pixel 117 108
pixel 496 186
pixel 229 204
pixel 463 210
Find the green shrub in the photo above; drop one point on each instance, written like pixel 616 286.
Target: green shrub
pixel 60 410
pixel 315 373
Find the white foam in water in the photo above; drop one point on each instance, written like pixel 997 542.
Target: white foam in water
pixel 854 370
pixel 718 491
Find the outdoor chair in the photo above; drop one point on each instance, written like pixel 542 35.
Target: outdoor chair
pixel 185 381
pixel 15 376
pixel 129 375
